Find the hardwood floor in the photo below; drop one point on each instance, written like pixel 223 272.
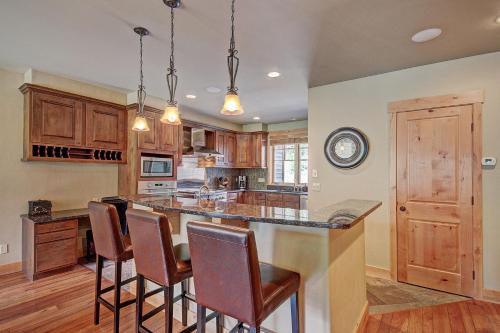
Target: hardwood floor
pixel 64 303
pixel 468 317
pixel 61 303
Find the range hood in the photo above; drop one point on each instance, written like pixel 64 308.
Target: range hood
pixel 198 145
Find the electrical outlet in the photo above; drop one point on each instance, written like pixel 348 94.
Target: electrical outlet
pixel 4 248
pixel 261 180
pixel 316 187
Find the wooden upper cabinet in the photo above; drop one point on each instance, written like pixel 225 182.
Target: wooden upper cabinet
pixel 244 151
pixel 220 146
pixel 61 126
pixel 105 126
pixel 149 140
pixel 259 147
pixel 230 151
pixel 168 137
pixel 56 120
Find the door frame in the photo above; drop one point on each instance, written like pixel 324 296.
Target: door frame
pixel 474 98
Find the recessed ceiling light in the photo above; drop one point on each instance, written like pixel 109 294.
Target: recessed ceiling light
pixel 498 20
pixel 273 74
pixel 191 96
pixel 426 35
pixel 213 90
pixel 256 118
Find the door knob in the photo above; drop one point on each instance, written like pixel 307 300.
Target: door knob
pixel 402 208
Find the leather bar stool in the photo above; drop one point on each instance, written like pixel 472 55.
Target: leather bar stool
pixel 159 261
pixel 112 245
pixel 229 279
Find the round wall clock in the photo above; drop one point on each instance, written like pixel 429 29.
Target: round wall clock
pixel 346 148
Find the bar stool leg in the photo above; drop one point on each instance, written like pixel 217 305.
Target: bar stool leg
pixel 201 319
pixel 118 279
pixel 98 276
pixel 254 329
pixel 219 323
pixel 294 302
pixel 240 327
pixel 140 300
pixel 169 308
pixel 185 301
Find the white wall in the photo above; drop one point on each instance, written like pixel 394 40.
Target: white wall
pixel 362 103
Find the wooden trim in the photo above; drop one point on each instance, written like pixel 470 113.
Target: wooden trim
pixel 477 190
pixel 476 99
pixel 491 295
pixel 13 267
pixel 28 86
pixel 466 98
pixel 363 320
pixel 378 272
pixel 393 197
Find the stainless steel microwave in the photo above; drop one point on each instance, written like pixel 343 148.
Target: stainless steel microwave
pixel 157 166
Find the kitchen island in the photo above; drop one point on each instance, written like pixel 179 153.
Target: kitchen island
pixel 327 247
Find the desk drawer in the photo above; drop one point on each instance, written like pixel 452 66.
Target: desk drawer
pixel 55 255
pixel 42 228
pixel 55 236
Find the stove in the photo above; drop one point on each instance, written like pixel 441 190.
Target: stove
pixel 201 193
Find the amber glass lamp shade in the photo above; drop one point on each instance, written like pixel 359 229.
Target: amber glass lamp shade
pixel 171 115
pixel 232 105
pixel 140 124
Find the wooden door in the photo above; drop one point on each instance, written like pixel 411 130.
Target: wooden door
pixel 149 140
pixel 220 146
pixel 434 198
pixel 57 120
pixel 168 137
pixel 244 150
pixel 105 126
pixel 230 149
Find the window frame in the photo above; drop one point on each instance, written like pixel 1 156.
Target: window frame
pixel 297 161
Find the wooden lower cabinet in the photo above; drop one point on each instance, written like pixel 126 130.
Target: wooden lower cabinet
pixel 272 199
pixel 48 247
pixel 291 201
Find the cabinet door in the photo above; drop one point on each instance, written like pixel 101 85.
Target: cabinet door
pixel 57 120
pixel 220 146
pixel 105 126
pixel 244 151
pixel 149 140
pixel 259 147
pixel 249 198
pixel 168 136
pixel 274 200
pixel 230 151
pixel 291 201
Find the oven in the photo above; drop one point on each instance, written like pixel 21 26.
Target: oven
pixel 157 166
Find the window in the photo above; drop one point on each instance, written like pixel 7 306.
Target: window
pixel 290 163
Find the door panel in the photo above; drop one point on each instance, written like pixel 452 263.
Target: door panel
pixel 105 126
pixel 434 196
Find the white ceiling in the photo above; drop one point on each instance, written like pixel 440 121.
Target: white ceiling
pixel 311 43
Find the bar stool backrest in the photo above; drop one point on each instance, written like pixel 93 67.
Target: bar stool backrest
pixel 152 245
pixel 226 269
pixel 106 230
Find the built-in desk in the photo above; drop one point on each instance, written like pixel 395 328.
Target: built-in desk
pixel 52 243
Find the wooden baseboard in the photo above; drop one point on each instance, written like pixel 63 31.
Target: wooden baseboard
pixel 363 320
pixel 378 272
pixel 491 295
pixel 13 267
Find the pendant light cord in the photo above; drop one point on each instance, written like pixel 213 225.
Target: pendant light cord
pixel 171 76
pixel 233 62
pixel 141 93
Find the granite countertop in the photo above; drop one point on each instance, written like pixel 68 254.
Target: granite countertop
pixel 341 215
pixel 268 191
pixel 62 215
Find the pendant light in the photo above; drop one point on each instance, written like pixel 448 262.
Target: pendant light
pixel 232 105
pixel 140 122
pixel 171 115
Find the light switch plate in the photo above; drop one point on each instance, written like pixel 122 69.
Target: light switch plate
pixel 4 248
pixel 315 173
pixel 316 187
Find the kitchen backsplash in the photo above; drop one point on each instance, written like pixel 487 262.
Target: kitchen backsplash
pixel 252 174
